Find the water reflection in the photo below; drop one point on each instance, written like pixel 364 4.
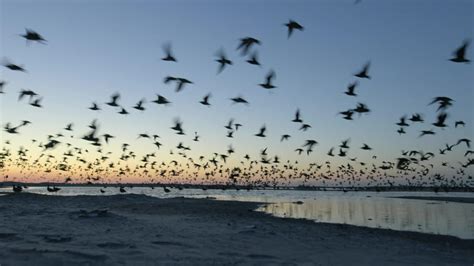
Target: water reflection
pixel 434 217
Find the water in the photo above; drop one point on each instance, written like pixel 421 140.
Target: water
pixel 368 209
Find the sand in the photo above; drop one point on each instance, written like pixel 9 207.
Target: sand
pixel 141 230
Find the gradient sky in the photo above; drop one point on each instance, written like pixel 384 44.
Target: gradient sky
pixel 96 48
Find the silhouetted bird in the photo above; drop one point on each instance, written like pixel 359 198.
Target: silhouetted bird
pixel 31 35
pixel 24 93
pixel 139 105
pixel 178 127
pixel 205 100
pixel 113 100
pixel 366 147
pixel 351 88
pixel 347 114
pixel 460 53
pixel 330 152
pixel 229 124
pixel 93 124
pixel 440 120
pixel 107 137
pixel 68 127
pixel 239 100
pixel 401 131
pixel 426 132
pixel 37 103
pixel 466 141
pixel 361 108
pixel 180 82
pixel 161 100
pixel 123 111
pixel 253 60
pixel 222 60
pixel 364 73
pixel 402 122
pixel 261 133
pixel 297 118
pixel 12 66
pixel 416 118
pixel 247 43
pixel 305 127
pixel 443 102
pixel 168 53
pixel 285 137
pixel 293 25
pixel 94 107
pixel 344 144
pixel 268 80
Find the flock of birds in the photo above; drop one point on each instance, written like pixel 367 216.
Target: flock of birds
pixel 412 168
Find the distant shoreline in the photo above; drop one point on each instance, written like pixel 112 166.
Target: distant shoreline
pixel 249 187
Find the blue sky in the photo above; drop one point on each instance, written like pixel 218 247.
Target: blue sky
pixel 96 48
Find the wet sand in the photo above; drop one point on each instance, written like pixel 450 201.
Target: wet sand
pixel 141 230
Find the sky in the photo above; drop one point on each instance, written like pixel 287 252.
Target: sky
pixel 97 48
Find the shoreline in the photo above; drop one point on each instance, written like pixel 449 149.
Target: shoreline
pixel 379 189
pixel 138 229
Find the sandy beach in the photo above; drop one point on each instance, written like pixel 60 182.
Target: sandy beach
pixel 141 230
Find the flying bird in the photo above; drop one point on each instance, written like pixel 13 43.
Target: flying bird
pixel 466 141
pixel 366 147
pixel 168 53
pixel 180 82
pixel 123 111
pixel 161 100
pixel 139 105
pixel 32 35
pixel 205 100
pixel 13 66
pixel 239 100
pixel 222 60
pixel 178 127
pixel 268 80
pixel 293 25
pixel 94 107
pixel 113 100
pixel 247 43
pixel 440 120
pixel 297 118
pixel 426 132
pixel 24 93
pixel 443 102
pixel 351 88
pixel 460 53
pixel 37 103
pixel 261 133
pixel 253 60
pixel 416 118
pixel 364 73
